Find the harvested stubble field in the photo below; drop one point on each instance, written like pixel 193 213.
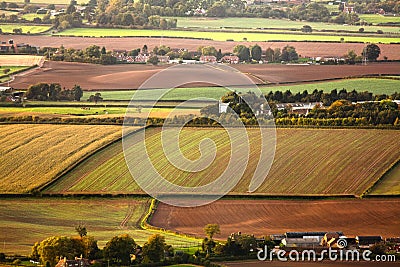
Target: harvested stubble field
pixel 307 162
pixel 306 49
pixel 29 220
pixel 265 217
pixel 98 77
pixel 32 155
pixel 20 60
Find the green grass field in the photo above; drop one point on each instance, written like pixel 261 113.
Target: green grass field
pixel 26 221
pixel 307 161
pixel 254 23
pixel 33 29
pixel 376 18
pixel 31 16
pixel 374 85
pixel 223 36
pixel 4 77
pixel 389 184
pixel 32 155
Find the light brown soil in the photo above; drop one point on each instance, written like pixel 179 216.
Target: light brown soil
pixel 131 76
pixel 263 217
pixel 311 49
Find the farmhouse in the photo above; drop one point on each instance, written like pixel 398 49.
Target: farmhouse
pixel 142 58
pixel 298 108
pixel 301 242
pixel 230 59
pixel 208 59
pixel 77 262
pixel 163 59
pixel 368 241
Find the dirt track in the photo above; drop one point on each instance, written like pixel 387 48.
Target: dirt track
pixel 264 217
pixel 131 76
pixel 311 49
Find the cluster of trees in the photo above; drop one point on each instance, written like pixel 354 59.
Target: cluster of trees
pixel 380 110
pixel 120 250
pixel 53 92
pixel 371 6
pixel 92 54
pixel 326 98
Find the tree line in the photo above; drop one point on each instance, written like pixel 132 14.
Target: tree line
pixel 337 109
pixel 53 92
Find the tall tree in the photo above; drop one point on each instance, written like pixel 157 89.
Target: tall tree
pixel 153 249
pixel 256 52
pixel 119 249
pixel 211 230
pixel 372 52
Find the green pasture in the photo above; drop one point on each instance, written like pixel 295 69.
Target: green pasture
pixel 26 221
pixel 263 23
pixel 33 29
pixel 31 16
pixel 376 18
pixel 223 36
pixel 389 183
pixel 374 85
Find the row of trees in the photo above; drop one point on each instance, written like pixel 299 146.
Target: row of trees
pixel 92 54
pixel 53 92
pixel 381 112
pixel 120 250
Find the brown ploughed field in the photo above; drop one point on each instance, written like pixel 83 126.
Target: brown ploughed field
pixel 309 49
pixel 264 217
pixel 131 76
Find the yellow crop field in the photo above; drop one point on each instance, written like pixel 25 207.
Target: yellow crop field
pixel 20 60
pixel 32 155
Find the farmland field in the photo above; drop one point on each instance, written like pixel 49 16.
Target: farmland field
pixel 306 49
pixel 106 110
pixel 265 217
pixel 104 218
pixel 35 154
pixel 374 85
pixel 389 183
pixel 20 60
pixel 196 22
pixel 31 16
pixel 299 167
pixel 132 76
pixel 223 36
pixel 33 29
pixel 376 18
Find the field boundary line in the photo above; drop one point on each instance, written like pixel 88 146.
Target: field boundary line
pixel 367 192
pixel 145 225
pixel 45 186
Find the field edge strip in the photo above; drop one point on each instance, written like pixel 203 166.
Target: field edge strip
pixel 371 188
pixel 145 224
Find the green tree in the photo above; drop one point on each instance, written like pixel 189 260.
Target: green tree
pixel 256 52
pixel 242 52
pixel 153 249
pixel 153 60
pixel 80 229
pixel 119 249
pixel 372 52
pixel 351 57
pixel 209 51
pixel 212 229
pixel 289 54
